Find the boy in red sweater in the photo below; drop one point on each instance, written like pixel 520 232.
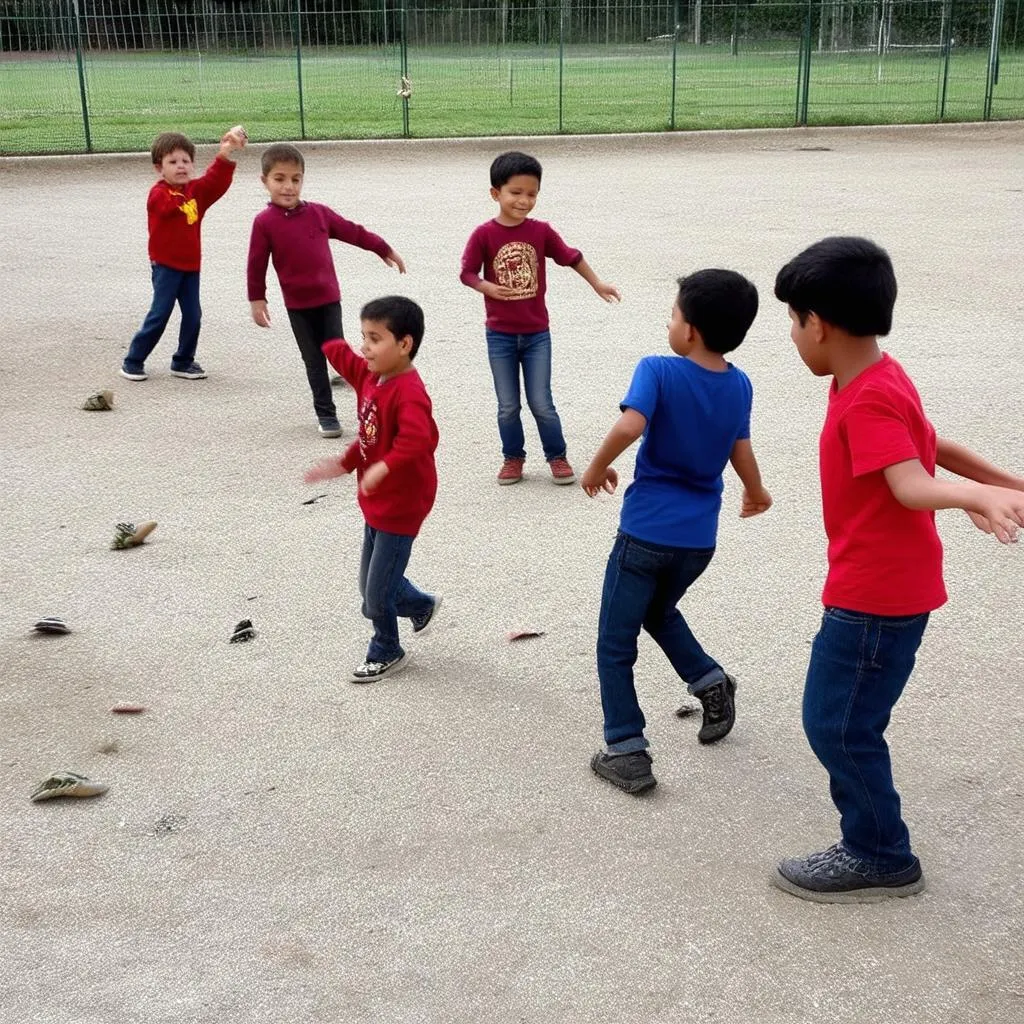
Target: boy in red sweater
pixel 878 454
pixel 176 207
pixel 512 251
pixel 296 236
pixel 394 462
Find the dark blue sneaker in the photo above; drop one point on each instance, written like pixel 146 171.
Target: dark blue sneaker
pixel 836 876
pixel 133 372
pixel 329 426
pixel 421 622
pixel 191 372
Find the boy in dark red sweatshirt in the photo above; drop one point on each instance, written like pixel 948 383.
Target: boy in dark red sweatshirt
pixel 176 207
pixel 394 462
pixel 296 235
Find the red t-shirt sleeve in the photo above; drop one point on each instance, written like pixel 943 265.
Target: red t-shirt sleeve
pixel 555 248
pixel 352 367
pixel 215 181
pixel 877 435
pixel 350 233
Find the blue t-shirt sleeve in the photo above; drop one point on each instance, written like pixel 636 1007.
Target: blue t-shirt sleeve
pixel 748 403
pixel 643 389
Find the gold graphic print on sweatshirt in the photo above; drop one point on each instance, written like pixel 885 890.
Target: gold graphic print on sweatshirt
pixel 191 211
pixel 515 267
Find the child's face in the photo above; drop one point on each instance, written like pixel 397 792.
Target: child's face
pixel 175 168
pixel 384 353
pixel 808 338
pixel 284 183
pixel 680 333
pixel 516 198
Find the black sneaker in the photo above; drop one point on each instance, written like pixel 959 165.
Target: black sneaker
pixel 371 671
pixel 719 710
pixel 631 772
pixel 421 622
pixel 836 876
pixel 329 426
pixel 191 372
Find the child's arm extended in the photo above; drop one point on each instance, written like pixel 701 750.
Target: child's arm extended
pixel 351 366
pixel 1001 507
pixel 608 292
pixel 755 498
pixel 600 475
pixel 350 233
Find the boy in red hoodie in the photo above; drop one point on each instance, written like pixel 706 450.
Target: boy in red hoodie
pixel 176 207
pixel 394 462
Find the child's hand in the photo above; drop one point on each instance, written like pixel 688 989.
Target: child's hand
pixel 979 521
pixel 260 313
pixel 325 469
pixel 1004 511
pixel 394 260
pixel 372 477
pixel 232 140
pixel 497 291
pixel 595 480
pixel 608 292
pixel 754 503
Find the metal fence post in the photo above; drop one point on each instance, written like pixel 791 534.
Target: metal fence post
pixel 803 90
pixel 946 43
pixel 405 76
pixel 561 58
pixel 675 47
pixel 81 77
pixel 992 74
pixel 298 67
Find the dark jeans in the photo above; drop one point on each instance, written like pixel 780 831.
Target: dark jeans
pixel 642 586
pixel 386 593
pixel 169 286
pixel 859 666
pixel 312 327
pixel 506 354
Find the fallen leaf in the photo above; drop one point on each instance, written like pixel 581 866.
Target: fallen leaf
pixel 525 634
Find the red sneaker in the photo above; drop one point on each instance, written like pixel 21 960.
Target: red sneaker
pixel 511 471
pixel 561 471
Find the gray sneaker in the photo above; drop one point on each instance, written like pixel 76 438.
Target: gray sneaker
pixel 719 706
pixel 329 426
pixel 631 772
pixel 191 372
pixel 836 876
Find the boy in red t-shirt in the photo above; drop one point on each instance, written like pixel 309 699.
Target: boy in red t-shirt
pixel 394 462
pixel 176 207
pixel 878 454
pixel 512 250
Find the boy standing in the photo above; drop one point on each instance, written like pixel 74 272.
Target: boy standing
pixel 512 250
pixel 176 207
pixel 693 411
pixel 296 236
pixel 394 462
pixel 878 454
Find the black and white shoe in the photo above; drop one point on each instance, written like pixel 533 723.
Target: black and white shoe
pixel 371 671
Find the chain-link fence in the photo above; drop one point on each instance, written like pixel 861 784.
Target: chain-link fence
pixel 104 75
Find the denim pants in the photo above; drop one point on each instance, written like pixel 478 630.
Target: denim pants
pixel 507 353
pixel 386 593
pixel 642 586
pixel 169 286
pixel 312 327
pixel 859 666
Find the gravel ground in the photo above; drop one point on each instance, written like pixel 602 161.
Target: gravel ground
pixel 279 846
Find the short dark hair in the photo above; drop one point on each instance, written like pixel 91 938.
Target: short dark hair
pixel 847 281
pixel 509 164
pixel 721 304
pixel 167 142
pixel 400 315
pixel 281 153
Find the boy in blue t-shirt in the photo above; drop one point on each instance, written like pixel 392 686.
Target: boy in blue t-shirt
pixel 694 415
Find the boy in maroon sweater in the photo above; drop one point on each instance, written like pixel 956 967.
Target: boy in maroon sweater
pixel 512 251
pixel 879 492
pixel 394 462
pixel 296 236
pixel 176 207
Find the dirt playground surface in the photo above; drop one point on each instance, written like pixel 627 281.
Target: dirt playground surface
pixel 278 846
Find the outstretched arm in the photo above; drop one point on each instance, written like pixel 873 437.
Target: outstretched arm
pixel 755 498
pixel 955 458
pixel 599 474
pixel 1002 507
pixel 608 292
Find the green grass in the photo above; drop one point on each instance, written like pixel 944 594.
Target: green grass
pixel 351 93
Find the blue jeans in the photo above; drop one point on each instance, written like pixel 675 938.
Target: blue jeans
pixel 506 353
pixel 642 586
pixel 386 593
pixel 859 666
pixel 169 286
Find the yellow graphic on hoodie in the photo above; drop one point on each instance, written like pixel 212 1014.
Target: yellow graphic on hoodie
pixel 191 211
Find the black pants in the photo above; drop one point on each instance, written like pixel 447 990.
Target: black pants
pixel 312 327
